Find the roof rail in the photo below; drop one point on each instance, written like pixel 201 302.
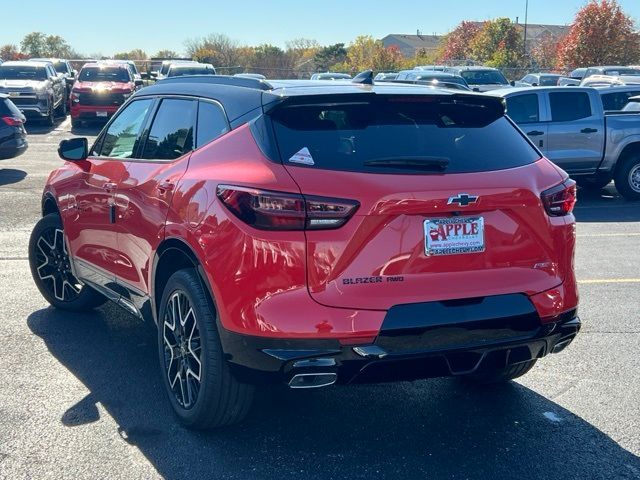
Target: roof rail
pixel 220 80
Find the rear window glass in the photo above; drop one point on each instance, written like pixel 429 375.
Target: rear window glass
pixel 569 106
pixel 483 77
pixel 549 81
pixel 618 100
pixel 179 71
pixel 467 135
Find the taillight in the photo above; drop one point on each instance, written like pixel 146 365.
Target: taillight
pixel 560 200
pixel 13 121
pixel 268 210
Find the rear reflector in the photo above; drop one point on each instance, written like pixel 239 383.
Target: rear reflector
pixel 268 210
pixel 560 200
pixel 12 121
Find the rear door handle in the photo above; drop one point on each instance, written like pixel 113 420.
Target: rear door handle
pixel 589 130
pixel 109 186
pixel 535 133
pixel 165 187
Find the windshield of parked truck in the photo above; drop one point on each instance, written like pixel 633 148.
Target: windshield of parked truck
pixel 104 74
pixel 483 77
pixel 14 72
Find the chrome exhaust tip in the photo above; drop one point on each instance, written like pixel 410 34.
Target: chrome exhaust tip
pixel 312 380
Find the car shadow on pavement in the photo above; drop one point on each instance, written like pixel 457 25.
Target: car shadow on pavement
pixel 605 205
pixel 11 175
pixel 88 129
pixel 439 428
pixel 35 126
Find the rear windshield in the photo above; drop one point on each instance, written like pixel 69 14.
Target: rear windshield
pixel 178 72
pixel 12 72
pixel 483 77
pixel 469 135
pixel 104 74
pixel 441 78
pixel 61 67
pixel 549 81
pixel 8 109
pixel 622 71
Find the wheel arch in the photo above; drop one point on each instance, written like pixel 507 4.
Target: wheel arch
pixel 629 151
pixel 49 204
pixel 172 255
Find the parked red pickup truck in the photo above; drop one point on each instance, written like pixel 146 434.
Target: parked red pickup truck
pixel 99 91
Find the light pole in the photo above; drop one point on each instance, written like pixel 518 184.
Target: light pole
pixel 526 14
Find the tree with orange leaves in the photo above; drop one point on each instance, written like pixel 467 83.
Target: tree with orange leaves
pixel 602 34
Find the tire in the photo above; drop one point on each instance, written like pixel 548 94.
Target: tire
pixel 592 184
pixel 61 111
pixel 501 375
pixel 50 268
pixel 627 179
pixel 49 120
pixel 191 347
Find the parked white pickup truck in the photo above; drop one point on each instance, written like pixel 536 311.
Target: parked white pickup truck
pixel 569 125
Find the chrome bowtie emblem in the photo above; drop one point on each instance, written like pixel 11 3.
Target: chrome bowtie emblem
pixel 463 199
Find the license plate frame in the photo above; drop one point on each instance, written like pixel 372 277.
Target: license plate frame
pixel 457 240
pixel 101 114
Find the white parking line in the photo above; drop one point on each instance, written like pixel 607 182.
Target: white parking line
pixel 634 234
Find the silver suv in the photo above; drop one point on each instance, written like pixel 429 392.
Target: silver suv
pixel 35 88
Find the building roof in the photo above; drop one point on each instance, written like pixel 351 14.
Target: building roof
pixel 409 44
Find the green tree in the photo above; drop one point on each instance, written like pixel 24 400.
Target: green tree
pixel 498 44
pixel 135 54
pixel 34 44
pixel 166 54
pixel 601 34
pixel 361 53
pixel 325 57
pixel 216 48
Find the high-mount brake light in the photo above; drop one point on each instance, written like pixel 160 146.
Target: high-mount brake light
pixel 559 200
pixel 269 210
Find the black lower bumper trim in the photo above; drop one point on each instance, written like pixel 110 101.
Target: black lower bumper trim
pixel 265 360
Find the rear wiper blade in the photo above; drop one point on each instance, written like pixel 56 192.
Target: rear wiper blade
pixel 423 163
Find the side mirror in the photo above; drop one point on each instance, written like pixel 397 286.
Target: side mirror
pixel 512 83
pixel 534 84
pixel 476 89
pixel 139 82
pixel 73 73
pixel 74 149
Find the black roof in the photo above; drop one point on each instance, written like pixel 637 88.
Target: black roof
pixel 241 95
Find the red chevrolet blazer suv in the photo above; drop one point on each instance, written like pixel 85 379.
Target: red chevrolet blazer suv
pixel 312 233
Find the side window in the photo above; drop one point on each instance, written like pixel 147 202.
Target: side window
pixel 523 108
pixel 212 123
pixel 568 106
pixel 171 134
pixel 123 135
pixel 617 101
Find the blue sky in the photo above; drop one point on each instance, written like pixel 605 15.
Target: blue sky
pixel 158 24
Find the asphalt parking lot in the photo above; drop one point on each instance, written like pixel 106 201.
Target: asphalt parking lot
pixel 81 395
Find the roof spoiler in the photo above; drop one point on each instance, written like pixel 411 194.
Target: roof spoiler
pixel 364 78
pixel 221 80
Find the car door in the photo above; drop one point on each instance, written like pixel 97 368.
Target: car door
pixel 526 109
pixel 89 209
pixel 576 132
pixel 144 197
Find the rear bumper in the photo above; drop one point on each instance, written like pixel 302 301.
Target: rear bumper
pixel 13 147
pixel 416 341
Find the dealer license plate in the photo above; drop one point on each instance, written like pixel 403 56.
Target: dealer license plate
pixel 454 235
pixel 101 114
